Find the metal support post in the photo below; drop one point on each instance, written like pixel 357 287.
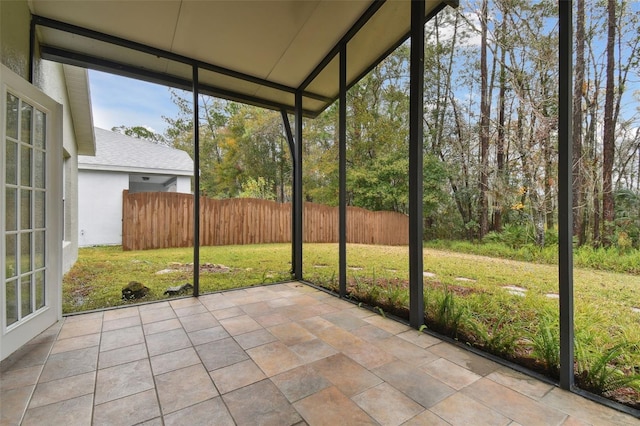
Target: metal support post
pixel 565 183
pixel 196 183
pixel 342 166
pixel 416 297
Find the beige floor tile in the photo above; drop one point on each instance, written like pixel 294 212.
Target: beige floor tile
pixel 419 386
pixel 176 360
pixel 63 389
pixel 240 325
pixel 347 375
pixel 132 409
pixel 450 373
pixel 207 335
pixel 160 326
pixel 190 310
pixel 153 306
pixel 167 341
pixel 419 338
pixel 330 407
pixel 313 350
pixel 84 317
pixel 274 358
pixel 73 343
pixel 373 334
pixel 271 319
pixel 229 312
pixel 387 324
pixel 155 315
pixel 214 302
pixel 198 321
pixel 584 409
pixel 406 351
pixel 368 355
pixel 345 320
pixel 255 338
pixel 315 324
pixel 387 405
pixel 220 353
pixel 118 323
pixel 72 412
pixel 122 355
pixel 280 302
pixel 70 363
pixel 123 380
pixel 519 382
pixel 120 338
pixel 184 302
pixel 181 388
pixel 263 401
pixel 21 377
pixel 80 328
pixel 291 333
pixel 512 404
pixel 257 309
pixel 114 314
pixel 27 356
pixel 153 422
pixel 13 403
pixel 427 418
pixel 207 413
pixel 464 358
pixel 235 376
pixel 459 409
pixel 339 338
pixel 300 382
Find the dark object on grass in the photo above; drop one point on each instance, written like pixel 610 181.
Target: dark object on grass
pixel 134 290
pixel 181 289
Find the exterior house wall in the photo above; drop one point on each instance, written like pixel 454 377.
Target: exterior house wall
pixel 15 19
pixel 53 84
pixel 100 207
pixel 183 185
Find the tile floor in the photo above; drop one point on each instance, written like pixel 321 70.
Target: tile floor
pixel 286 354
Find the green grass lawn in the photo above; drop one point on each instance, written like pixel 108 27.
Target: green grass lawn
pixel 506 307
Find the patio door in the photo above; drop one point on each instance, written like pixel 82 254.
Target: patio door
pixel 30 193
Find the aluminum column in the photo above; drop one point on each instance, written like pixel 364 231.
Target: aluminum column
pixel 565 183
pixel 196 183
pixel 297 192
pixel 342 171
pixel 416 297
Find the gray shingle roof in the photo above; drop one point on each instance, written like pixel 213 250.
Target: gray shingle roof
pixel 118 152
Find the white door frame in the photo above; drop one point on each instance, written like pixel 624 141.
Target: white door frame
pixel 15 335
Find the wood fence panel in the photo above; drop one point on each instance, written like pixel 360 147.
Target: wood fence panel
pixel 152 220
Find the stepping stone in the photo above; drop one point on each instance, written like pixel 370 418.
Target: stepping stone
pixel 636 310
pixel 552 296
pixel 515 290
pixel 465 279
pixel 428 274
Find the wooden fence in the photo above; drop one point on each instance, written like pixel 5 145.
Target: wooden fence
pixel 152 220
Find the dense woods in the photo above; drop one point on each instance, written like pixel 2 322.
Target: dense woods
pixel 490 159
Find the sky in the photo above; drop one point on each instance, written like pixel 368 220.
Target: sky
pixel 118 101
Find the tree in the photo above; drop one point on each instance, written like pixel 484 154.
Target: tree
pixel 608 138
pixel 140 132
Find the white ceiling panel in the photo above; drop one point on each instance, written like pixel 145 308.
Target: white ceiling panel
pixel 258 51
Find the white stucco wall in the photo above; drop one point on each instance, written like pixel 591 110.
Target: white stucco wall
pixel 100 207
pixel 183 184
pixel 53 84
pixel 15 20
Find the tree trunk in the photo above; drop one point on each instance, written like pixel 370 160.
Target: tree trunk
pixel 497 218
pixel 484 125
pixel 608 139
pixel 577 169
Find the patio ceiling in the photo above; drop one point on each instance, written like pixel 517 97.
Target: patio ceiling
pixel 257 52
